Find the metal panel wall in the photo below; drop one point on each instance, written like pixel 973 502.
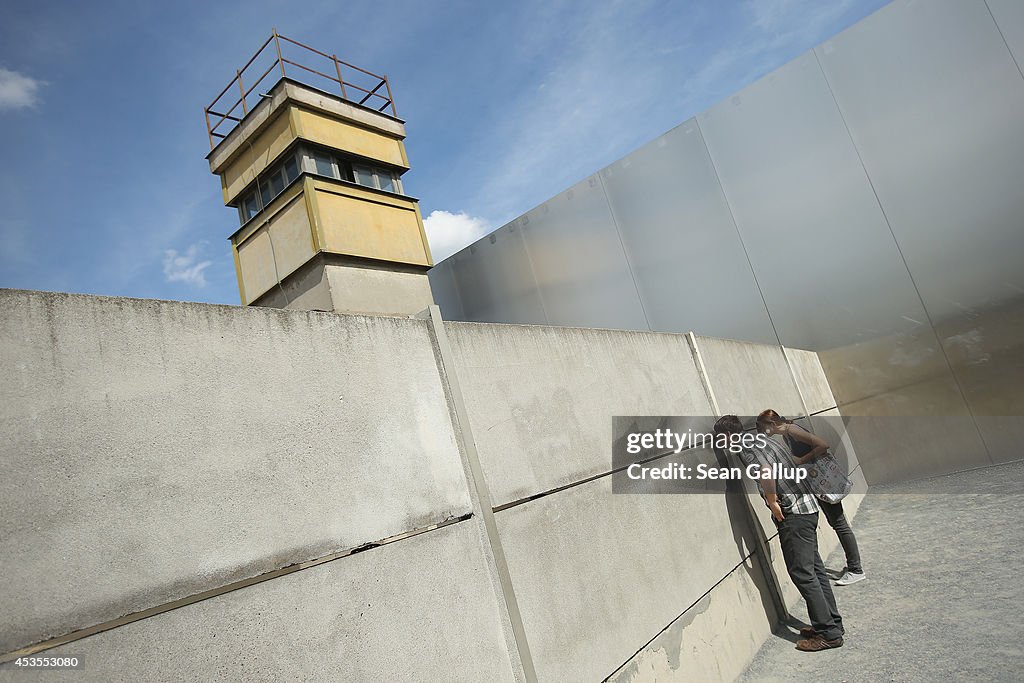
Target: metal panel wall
pixel 1009 17
pixel 866 195
pixel 806 212
pixel 810 219
pixel 680 238
pixel 936 116
pixel 579 262
pixel 495 280
pixel 445 291
pixel 934 102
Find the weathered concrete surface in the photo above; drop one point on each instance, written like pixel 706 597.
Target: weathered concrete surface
pixel 160 449
pixel 597 574
pixel 418 609
pixel 943 597
pixel 352 288
pixel 154 449
pixel 306 289
pixel 384 291
pixel 810 379
pixel 541 399
pixel 714 640
pixel 748 378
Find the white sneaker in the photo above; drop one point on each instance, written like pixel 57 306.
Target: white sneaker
pixel 850 578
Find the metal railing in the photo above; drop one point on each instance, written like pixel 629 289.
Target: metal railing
pixel 348 77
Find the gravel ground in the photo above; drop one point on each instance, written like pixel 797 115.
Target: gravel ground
pixel 944 598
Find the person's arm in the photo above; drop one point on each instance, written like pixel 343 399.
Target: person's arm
pixel 818 444
pixel 767 482
pixel 771 497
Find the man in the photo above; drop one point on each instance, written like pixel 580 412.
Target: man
pixel 806 447
pixel 795 512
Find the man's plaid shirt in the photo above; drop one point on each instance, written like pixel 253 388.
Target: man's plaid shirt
pixel 794 498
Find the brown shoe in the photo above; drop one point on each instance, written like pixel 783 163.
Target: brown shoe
pixel 808 632
pixel 817 643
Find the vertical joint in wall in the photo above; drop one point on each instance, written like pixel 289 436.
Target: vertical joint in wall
pixel 479 489
pixel 760 554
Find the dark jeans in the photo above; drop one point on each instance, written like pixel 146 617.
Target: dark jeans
pixel 798 535
pixel 837 520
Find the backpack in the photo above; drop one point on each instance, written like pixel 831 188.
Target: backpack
pixel 826 479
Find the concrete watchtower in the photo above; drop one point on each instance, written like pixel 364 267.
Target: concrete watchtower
pixel 316 178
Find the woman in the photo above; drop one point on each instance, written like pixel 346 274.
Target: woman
pixel 805 448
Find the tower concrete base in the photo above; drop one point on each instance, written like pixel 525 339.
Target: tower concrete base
pixel 348 285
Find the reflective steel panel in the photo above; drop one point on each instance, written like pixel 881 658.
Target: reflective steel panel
pixel 495 280
pixel 1009 17
pixel 684 250
pixel 579 263
pixel 807 214
pixel 935 104
pixel 875 185
pixel 444 291
pixel 831 272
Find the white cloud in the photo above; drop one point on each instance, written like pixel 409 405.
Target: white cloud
pixel 18 91
pixel 184 268
pixel 449 232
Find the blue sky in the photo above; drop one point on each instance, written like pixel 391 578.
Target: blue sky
pixel 104 188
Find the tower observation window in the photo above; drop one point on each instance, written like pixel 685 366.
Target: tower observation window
pixel 341 168
pixel 320 162
pixel 271 183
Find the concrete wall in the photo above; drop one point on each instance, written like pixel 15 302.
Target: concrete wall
pixel 540 397
pixel 331 282
pixel 195 491
pixel 420 609
pixel 598 575
pixel 154 450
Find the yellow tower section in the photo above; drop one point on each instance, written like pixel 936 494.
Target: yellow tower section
pixel 316 179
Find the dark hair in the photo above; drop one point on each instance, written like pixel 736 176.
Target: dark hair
pixel 771 417
pixel 728 424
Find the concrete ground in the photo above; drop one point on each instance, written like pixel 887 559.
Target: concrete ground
pixel 944 599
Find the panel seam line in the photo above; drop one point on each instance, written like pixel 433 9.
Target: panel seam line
pixel 899 250
pixel 999 30
pixel 208 594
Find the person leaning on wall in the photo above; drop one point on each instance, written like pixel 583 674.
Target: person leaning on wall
pixel 795 513
pixel 805 448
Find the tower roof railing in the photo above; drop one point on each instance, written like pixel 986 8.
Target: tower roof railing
pixel 356 85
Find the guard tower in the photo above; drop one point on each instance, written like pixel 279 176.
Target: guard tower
pixel 310 151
